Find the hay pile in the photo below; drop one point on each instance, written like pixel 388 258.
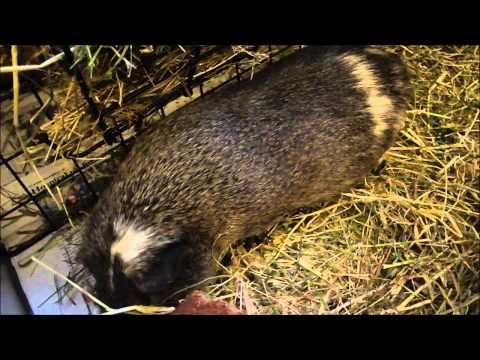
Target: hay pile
pixel 407 242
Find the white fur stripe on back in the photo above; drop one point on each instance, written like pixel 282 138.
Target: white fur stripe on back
pixel 379 105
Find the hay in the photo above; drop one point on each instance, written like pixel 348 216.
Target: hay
pixel 406 242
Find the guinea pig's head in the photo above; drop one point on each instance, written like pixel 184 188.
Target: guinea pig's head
pixel 134 264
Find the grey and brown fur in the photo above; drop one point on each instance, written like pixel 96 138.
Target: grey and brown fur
pixel 226 167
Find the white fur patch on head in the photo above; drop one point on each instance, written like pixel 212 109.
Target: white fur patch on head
pixel 380 106
pixel 130 242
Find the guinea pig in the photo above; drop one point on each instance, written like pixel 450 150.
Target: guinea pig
pixel 226 167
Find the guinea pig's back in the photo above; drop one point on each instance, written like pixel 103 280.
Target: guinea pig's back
pixel 317 93
pixel 320 118
pixel 311 125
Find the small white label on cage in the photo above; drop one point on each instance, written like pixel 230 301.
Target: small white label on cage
pixel 50 173
pixel 17 230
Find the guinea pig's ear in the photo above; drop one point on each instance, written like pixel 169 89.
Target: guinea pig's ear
pixel 163 268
